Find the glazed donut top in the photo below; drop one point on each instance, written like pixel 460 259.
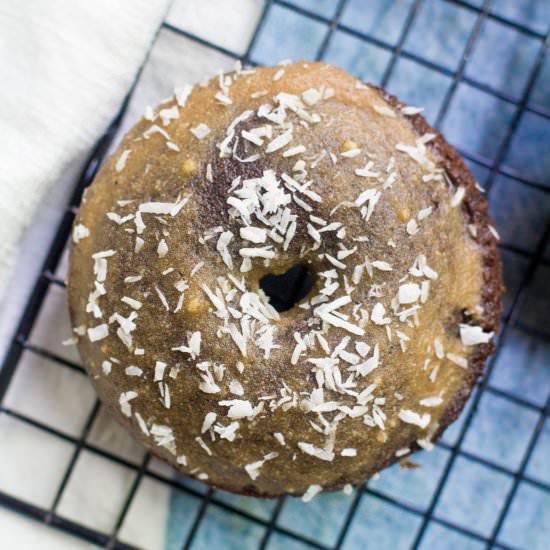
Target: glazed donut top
pixel 251 174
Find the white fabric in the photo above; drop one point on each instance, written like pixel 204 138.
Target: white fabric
pixel 27 534
pixel 226 23
pixel 66 66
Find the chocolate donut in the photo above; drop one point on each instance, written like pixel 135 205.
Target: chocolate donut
pixel 230 184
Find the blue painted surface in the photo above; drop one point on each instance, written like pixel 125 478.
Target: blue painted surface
pixel 510 52
pixel 496 416
pixel 530 148
pixel 380 19
pixel 420 86
pixel 219 529
pixel 378 524
pixel 287 35
pixel 441 538
pixel 467 495
pixel 528 522
pixel 522 368
pixel 321 519
pixel 183 509
pixel 442 44
pixel 414 487
pixel 360 58
pixel 326 8
pixel 255 506
pixel 476 121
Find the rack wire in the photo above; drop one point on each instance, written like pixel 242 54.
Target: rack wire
pixel 512 320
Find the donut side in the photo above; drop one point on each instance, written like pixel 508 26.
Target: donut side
pixel 476 212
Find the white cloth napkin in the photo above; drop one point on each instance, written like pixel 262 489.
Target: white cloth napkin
pixel 65 68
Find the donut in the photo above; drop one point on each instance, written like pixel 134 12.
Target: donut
pixel 284 280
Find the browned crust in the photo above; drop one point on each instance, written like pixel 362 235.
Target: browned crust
pixel 476 211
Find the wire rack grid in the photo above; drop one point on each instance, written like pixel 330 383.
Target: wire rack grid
pixel 533 258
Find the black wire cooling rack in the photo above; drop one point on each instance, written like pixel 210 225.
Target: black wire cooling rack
pixel 512 320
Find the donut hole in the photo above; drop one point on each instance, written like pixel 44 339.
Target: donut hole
pixel 286 290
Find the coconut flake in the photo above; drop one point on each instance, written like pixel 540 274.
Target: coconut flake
pixel 142 424
pixel 279 142
pixel 366 171
pixel 163 436
pixel 381 265
pixel 261 252
pixel 351 153
pixel 162 248
pixel 425 444
pixel 200 131
pixel 383 110
pixel 457 198
pixel 223 99
pixel 434 401
pixel 412 417
pixel 474 335
pixel 256 235
pixel 377 314
pixel 162 297
pixel 494 232
pixel 132 370
pixel 155 129
pixel 162 208
pixel 253 469
pixel 119 220
pixel 169 114
pixel 209 420
pixel 279 74
pixel 197 267
pixel 349 451
pixel 121 161
pixel 412 227
pixel 409 110
pixel 206 448
pixel 182 94
pixel 424 213
pixel 221 246
pixel 182 459
pixel 408 293
pixel 293 151
pixel 311 96
pixel 193 347
pixel 98 332
pixel 458 360
pixel 124 402
pixel 238 408
pixel 80 232
pixel 321 454
pixel 252 137
pixel 236 388
pixel 135 304
pixel 311 492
